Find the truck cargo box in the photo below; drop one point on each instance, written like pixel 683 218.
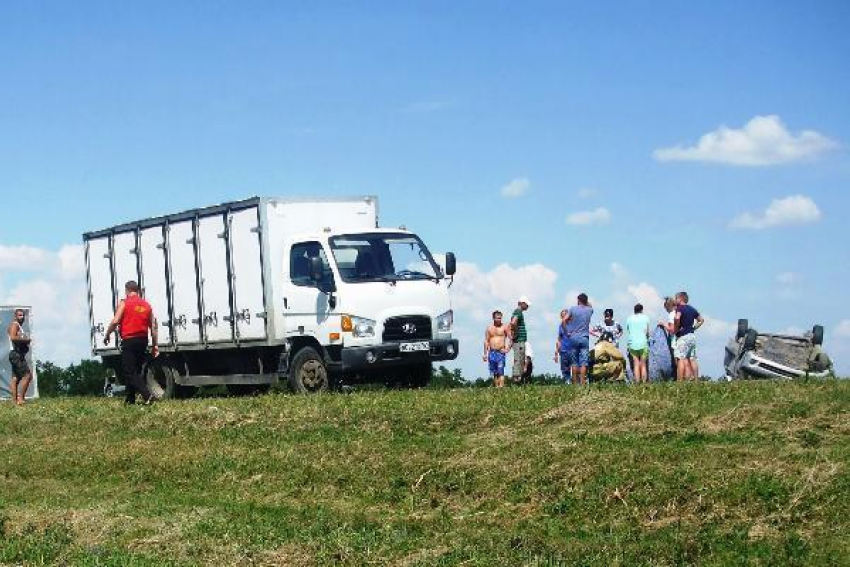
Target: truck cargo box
pixel 210 273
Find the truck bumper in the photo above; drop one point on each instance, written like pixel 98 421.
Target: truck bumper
pixel 388 355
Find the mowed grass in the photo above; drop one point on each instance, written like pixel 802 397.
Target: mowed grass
pixel 746 473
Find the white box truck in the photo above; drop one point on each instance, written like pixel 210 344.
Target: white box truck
pixel 265 289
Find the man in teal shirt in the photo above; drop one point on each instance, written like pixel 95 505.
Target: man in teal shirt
pixel 637 326
pixel 519 338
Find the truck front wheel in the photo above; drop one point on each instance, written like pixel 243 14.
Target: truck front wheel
pixel 308 373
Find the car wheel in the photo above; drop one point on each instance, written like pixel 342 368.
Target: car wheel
pixel 817 335
pixel 743 325
pixel 750 339
pixel 308 373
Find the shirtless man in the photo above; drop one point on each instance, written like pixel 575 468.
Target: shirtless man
pixel 497 343
pixel 19 345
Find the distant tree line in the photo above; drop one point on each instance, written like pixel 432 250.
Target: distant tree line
pixel 84 379
pixel 87 378
pixel 443 378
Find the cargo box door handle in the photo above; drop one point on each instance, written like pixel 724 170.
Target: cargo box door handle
pixel 244 316
pixel 260 315
pixel 211 320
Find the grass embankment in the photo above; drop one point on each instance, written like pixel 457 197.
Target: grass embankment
pixel 700 473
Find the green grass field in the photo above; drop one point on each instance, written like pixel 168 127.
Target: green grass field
pixel 711 474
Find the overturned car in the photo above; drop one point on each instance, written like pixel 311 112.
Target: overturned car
pixel 766 355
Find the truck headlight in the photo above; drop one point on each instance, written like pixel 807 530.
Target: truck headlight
pixel 359 327
pixel 444 322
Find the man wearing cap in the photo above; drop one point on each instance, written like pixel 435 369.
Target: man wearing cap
pixel 519 338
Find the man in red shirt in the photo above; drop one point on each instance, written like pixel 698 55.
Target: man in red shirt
pixel 134 316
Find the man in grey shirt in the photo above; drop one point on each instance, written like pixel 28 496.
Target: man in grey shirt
pixel 578 331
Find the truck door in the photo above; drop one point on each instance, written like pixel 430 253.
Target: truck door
pixel 247 275
pixel 185 324
pixel 215 287
pixel 154 284
pixel 306 309
pixel 124 260
pixel 102 303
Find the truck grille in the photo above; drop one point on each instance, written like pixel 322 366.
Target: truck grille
pixel 409 328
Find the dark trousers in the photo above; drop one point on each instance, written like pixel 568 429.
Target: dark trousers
pixel 133 352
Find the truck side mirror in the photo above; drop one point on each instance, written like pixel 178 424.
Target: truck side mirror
pixel 316 269
pixel 317 275
pixel 451 264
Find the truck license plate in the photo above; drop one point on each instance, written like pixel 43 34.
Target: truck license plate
pixel 414 347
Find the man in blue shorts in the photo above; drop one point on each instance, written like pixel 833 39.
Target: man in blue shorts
pixel 496 346
pixel 687 321
pixel 577 323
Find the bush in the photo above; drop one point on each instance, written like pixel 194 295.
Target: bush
pixel 83 379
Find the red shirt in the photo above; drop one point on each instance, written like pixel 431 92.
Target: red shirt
pixel 137 317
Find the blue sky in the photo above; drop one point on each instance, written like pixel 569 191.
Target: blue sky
pixel 111 112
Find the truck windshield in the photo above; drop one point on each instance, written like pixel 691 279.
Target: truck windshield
pixel 383 257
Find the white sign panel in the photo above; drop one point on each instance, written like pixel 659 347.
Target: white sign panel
pixel 7 314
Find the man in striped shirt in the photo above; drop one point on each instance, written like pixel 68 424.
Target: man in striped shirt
pixel 519 338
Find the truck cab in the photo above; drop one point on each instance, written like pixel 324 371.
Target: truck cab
pixel 375 301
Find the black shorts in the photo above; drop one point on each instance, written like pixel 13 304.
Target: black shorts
pixel 20 368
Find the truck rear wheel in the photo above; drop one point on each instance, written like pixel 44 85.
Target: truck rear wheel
pixel 160 378
pixel 308 373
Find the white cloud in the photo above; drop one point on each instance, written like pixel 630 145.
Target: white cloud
pixel 54 285
pixel 600 215
pixel 764 140
pixel 587 192
pixel 501 287
pixel 842 330
pixel 24 258
pixel 516 188
pixel 718 328
pixel 789 211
